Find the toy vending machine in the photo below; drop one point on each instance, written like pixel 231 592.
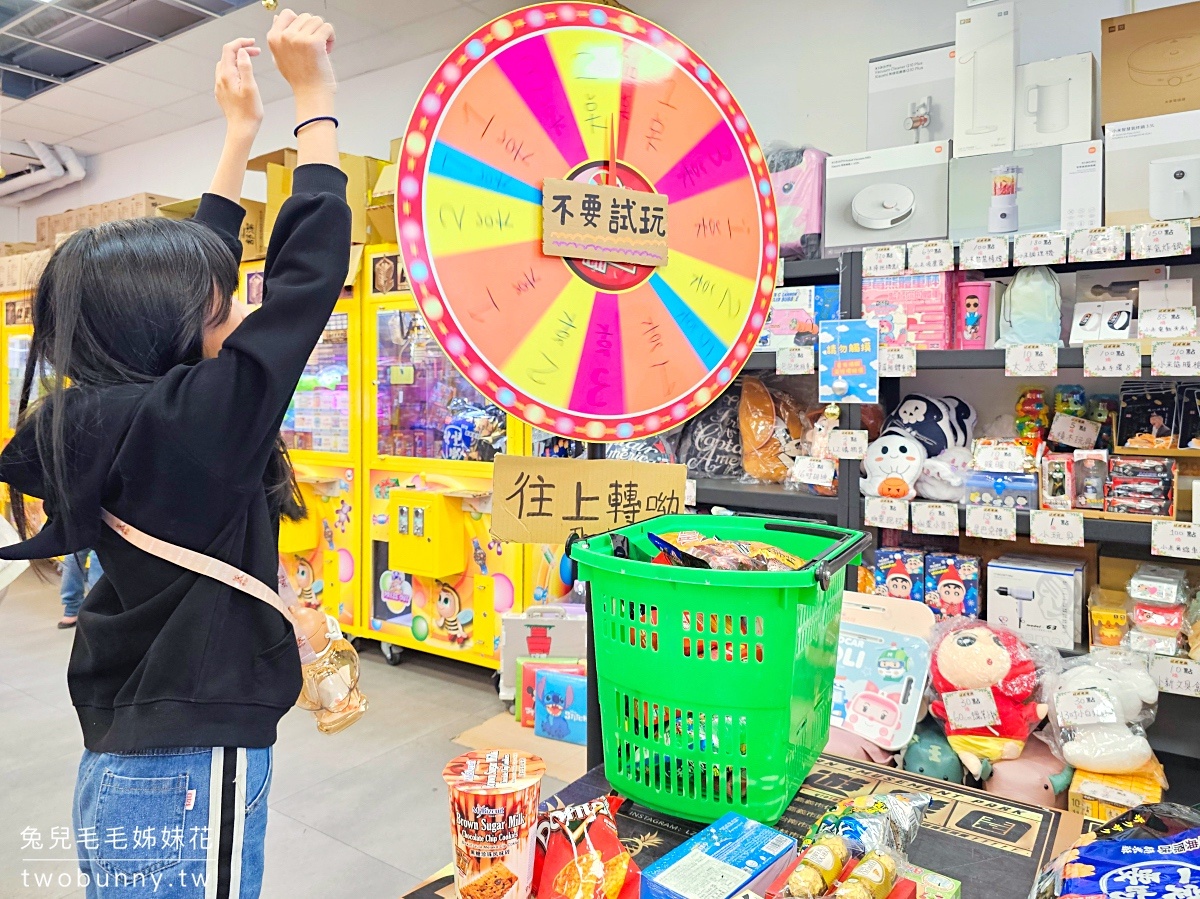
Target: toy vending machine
pixel 439 581
pixel 323 434
pixel 18 336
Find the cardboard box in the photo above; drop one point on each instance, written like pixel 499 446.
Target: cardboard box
pixel 543 630
pixel 1058 188
pixel 108 211
pixel 1153 170
pixel 1105 796
pixel 886 196
pixel 749 856
pixel 1056 101
pixel 142 205
pixel 984 79
pixel 14 249
pixel 1149 62
pixel 525 699
pixel 1039 598
pixel 44 235
pixel 362 173
pixel 251 235
pixel 910 97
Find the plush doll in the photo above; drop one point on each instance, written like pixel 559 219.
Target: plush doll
pixel 929 753
pixel 944 477
pixel 892 464
pixel 771 428
pixel 798 177
pixel 850 745
pixel 973 655
pixel 1112 747
pixel 938 422
pixel 1037 777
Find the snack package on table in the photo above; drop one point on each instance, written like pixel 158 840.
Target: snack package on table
pixel 579 855
pixel 875 821
pixel 984 679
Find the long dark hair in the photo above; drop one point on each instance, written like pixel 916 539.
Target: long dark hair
pixel 119 304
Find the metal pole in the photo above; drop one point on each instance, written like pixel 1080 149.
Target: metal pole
pixel 595 738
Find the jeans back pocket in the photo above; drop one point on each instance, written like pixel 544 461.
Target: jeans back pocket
pixel 140 824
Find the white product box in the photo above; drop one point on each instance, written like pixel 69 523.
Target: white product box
pixel 1109 320
pixel 1039 598
pixel 1172 294
pixel 1057 188
pixel 1056 101
pixel 886 196
pixel 723 860
pixel 910 97
pixel 1153 169
pixel 984 79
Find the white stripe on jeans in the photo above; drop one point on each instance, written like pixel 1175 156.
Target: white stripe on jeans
pixel 212 874
pixel 239 827
pixel 214 822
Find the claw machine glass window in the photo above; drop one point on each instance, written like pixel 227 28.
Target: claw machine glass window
pixel 318 418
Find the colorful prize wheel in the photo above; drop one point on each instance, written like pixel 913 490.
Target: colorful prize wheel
pixel 590 350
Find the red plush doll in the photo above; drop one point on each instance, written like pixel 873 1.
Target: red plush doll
pixel 973 655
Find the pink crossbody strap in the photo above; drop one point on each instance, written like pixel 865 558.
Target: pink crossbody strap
pixel 201 564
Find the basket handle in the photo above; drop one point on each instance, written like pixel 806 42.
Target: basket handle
pixel 832 560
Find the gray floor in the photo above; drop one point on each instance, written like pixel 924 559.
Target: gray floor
pixel 360 813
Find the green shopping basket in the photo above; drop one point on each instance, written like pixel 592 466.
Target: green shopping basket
pixel 715 686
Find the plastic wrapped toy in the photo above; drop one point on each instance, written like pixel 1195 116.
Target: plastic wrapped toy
pixel 944 477
pixel 1100 706
pixel 1038 777
pixel 893 464
pixel 330 686
pixel 798 176
pixel 875 821
pixel 929 754
pixel 984 678
pixel 771 427
pixel 937 422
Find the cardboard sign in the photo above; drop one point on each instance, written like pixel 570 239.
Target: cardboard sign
pixel 1031 360
pixel 1175 358
pixel 1150 240
pixel 1056 528
pixel 1178 539
pixel 930 256
pixel 603 223
pixel 1098 244
pixel 884 260
pixel 934 518
pixel 1076 708
pixel 1168 322
pixel 1040 248
pixel 848 444
pixel 880 512
pixel 1072 430
pixel 897 362
pixel 546 500
pixel 1176 675
pixel 1112 360
pixel 968 709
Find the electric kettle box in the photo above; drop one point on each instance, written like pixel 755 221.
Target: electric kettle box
pixel 1056 101
pixel 1153 169
pixel 910 97
pixel 886 196
pixel 1150 63
pixel 1059 188
pixel 1039 598
pixel 985 70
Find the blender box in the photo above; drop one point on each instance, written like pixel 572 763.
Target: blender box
pixel 723 860
pixel 910 97
pixel 1150 63
pixel 1040 598
pixel 985 69
pixel 1153 168
pixel 1057 188
pixel 1056 101
pixel 886 196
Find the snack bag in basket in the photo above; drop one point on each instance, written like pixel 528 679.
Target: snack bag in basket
pixel 581 857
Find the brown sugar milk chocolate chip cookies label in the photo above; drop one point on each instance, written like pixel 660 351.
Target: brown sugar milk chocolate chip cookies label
pixel 494 797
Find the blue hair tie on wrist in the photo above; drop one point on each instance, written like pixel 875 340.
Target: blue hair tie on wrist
pixel 312 121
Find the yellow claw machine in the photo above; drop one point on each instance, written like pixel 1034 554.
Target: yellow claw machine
pixel 438 580
pixel 14 353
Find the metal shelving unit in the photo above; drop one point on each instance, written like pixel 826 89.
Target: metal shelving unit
pixel 767 498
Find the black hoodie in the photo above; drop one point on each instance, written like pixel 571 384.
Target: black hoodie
pixel 163 657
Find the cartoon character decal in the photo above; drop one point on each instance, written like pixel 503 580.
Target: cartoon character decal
pixel 875 715
pixel 308 587
pixel 899 581
pixel 893 664
pixel 555 705
pixel 451 616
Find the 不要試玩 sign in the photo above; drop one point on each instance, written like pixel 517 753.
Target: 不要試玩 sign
pixel 603 223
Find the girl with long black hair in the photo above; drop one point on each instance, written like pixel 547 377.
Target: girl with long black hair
pixel 164 406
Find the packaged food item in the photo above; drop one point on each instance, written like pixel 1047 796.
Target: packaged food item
pixel 691 549
pixel 1105 796
pixel 874 821
pixel 494 795
pixel 772 428
pixel 1158 583
pixel 1166 863
pixel 819 868
pixel 931 884
pixel 1155 618
pixel 583 858
pixel 1108 616
pixel 1058 481
pixel 872 878
pixel 1091 474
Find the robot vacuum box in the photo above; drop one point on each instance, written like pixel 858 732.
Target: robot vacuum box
pixel 1056 188
pixel 1153 170
pixel 1150 63
pixel 886 196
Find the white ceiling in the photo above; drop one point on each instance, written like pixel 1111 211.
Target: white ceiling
pixel 168 86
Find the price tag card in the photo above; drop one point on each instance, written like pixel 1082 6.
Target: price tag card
pixel 1175 358
pixel 848 444
pixel 1178 539
pixel 1098 244
pixel 1179 321
pixel 1072 430
pixel 1031 360
pixel 934 518
pixel 1001 456
pixel 1176 675
pixel 809 470
pixel 1056 528
pixel 689 492
pixel 1153 239
pixel 794 360
pixel 779 276
pixel 925 257
pixel 991 524
pixel 967 709
pixel 1075 708
pixel 1040 248
pixel 885 260
pixel 983 252
pixel 1112 360
pixel 886 513
pixel 897 362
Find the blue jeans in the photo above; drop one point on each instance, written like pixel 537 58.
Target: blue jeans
pixel 172 823
pixel 73 580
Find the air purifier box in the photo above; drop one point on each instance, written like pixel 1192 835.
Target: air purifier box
pixel 886 196
pixel 1056 101
pixel 1057 188
pixel 910 97
pixel 1039 598
pixel 1153 169
pixel 1150 63
pixel 985 68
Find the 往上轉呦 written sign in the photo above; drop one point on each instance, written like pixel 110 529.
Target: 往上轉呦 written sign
pixel 604 223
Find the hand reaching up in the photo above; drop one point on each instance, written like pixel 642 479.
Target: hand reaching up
pixel 236 91
pixel 301 45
